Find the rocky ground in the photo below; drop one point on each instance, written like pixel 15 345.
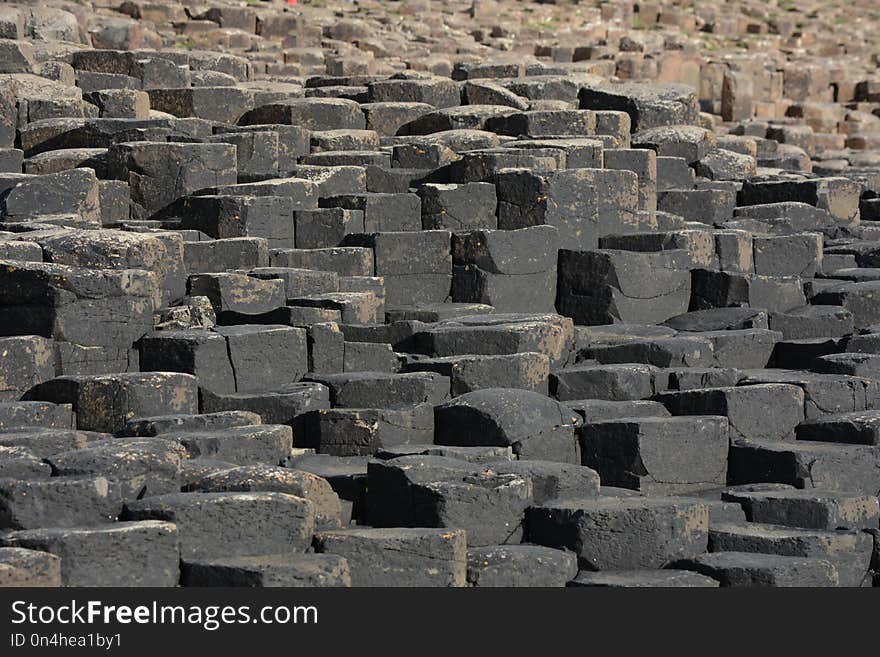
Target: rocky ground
pixel 440 293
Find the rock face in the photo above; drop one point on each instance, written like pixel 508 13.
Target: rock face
pixel 448 293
